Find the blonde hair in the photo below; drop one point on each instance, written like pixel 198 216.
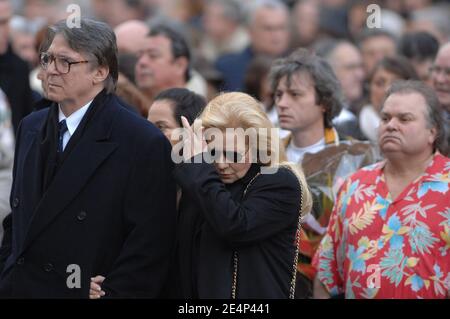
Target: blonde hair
pixel 240 110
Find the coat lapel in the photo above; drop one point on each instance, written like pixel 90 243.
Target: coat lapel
pixel 87 155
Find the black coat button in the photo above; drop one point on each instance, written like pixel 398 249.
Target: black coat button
pixel 21 261
pixel 48 267
pixel 15 203
pixel 81 216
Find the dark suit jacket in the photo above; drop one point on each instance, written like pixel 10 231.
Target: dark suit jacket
pixel 110 209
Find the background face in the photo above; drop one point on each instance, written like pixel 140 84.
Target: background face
pixel 216 25
pixel 296 104
pixel 269 31
pixel 440 77
pixel 156 65
pixel 5 16
pixel 403 129
pixel 161 114
pixel 376 48
pixel 381 81
pixel 347 63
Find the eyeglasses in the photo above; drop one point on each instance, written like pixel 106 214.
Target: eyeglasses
pixel 229 156
pixel 62 65
pixel 438 69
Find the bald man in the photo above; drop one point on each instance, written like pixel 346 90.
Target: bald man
pixel 130 35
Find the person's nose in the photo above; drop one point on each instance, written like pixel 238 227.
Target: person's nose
pixel 283 102
pixel 439 76
pixel 51 68
pixel 392 124
pixel 221 165
pixel 360 74
pixel 143 60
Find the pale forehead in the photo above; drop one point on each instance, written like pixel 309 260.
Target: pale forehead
pixel 162 107
pixel 157 42
pixel 234 141
pixel 298 80
pixel 347 52
pixel 410 102
pixel 229 140
pixel 60 46
pixel 5 9
pixel 131 28
pixel 378 42
pixel 269 15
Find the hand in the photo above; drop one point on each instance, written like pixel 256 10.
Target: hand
pixel 194 140
pixel 95 291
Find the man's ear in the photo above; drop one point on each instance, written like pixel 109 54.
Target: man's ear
pixel 101 74
pixel 433 135
pixel 182 64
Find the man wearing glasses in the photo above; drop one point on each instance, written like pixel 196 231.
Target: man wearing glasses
pixel 92 189
pixel 440 77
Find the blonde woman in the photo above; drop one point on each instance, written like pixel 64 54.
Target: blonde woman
pixel 241 208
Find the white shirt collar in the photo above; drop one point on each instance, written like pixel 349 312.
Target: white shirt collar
pixel 75 118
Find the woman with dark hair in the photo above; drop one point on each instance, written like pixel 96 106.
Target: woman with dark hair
pixel 170 105
pixel 385 72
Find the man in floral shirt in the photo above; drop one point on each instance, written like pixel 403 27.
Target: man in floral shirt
pixel 389 232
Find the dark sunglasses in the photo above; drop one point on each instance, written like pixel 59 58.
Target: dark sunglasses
pixel 230 156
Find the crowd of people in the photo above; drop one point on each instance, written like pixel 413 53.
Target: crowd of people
pixel 225 149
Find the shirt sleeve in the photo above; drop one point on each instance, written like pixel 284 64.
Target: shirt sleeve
pixel 329 257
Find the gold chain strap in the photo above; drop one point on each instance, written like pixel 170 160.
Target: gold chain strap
pixel 235 254
pixel 297 248
pixel 297 241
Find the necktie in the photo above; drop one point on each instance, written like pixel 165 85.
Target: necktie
pixel 62 128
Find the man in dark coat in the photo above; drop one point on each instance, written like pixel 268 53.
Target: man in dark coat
pixel 92 189
pixel 13 71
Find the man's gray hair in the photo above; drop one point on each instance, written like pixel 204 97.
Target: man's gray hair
pixel 254 5
pixel 434 114
pixel 95 39
pixel 326 86
pixel 232 9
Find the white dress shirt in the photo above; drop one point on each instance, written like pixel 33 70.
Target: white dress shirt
pixel 72 121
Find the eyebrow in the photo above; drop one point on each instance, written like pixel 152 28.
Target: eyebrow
pixel 397 114
pixel 161 122
pixel 61 54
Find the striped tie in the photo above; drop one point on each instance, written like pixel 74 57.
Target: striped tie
pixel 62 129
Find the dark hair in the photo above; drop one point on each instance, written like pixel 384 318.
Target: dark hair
pixel 420 46
pixel 435 114
pixel 327 88
pixel 179 44
pixel 93 38
pixel 186 103
pixel 373 33
pixel 398 65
